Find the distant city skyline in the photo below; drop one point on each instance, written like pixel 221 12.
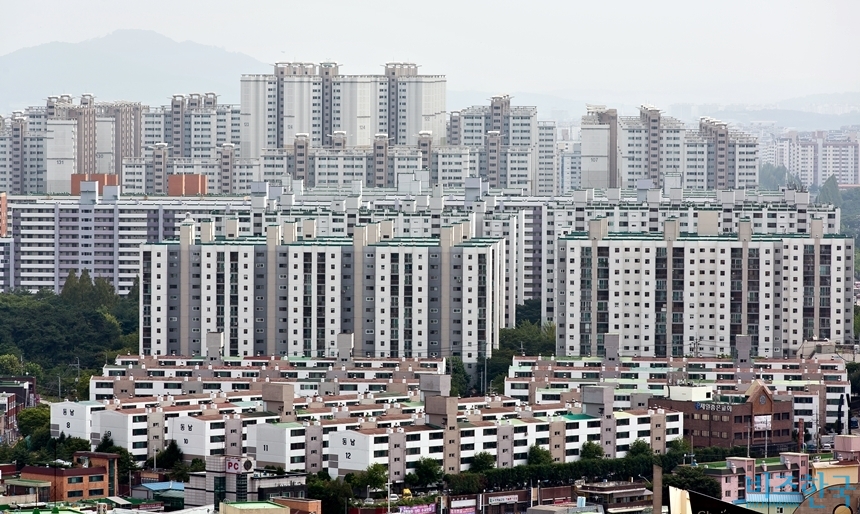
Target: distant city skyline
pixel 627 52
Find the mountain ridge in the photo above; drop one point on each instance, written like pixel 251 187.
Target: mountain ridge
pixel 133 65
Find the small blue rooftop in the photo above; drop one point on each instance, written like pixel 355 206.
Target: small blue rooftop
pixel 164 486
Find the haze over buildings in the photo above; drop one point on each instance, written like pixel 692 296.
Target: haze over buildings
pixel 558 50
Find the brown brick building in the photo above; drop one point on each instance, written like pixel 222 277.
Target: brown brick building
pixel 760 421
pixel 93 476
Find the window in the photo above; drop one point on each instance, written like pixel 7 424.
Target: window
pixel 75 480
pixel 75 494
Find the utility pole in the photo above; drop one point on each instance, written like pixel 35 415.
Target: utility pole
pixel 59 387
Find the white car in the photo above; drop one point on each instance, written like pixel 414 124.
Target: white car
pixel 394 497
pixel 826 447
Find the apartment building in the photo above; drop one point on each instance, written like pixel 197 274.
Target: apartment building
pixel 193 126
pixel 456 442
pixel 814 157
pixel 529 225
pixel 317 100
pixel 225 173
pixel 43 146
pixel 457 274
pixel 511 148
pixel 619 151
pixel 815 385
pixel 170 376
pixel 599 132
pixel 273 420
pixel 665 292
pixel 569 166
pixel 338 166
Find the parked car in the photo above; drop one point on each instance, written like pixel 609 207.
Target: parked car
pixel 368 501
pixel 826 447
pixel 394 497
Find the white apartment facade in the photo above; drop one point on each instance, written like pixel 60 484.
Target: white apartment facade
pixel 317 100
pixel 41 147
pixel 623 150
pixel 663 293
pixel 37 228
pixel 280 295
pixel 508 440
pixel 193 126
pixel 511 148
pixel 569 166
pixel 814 157
pixel 814 384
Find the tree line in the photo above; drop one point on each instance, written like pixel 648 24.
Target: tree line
pixel 591 467
pixel 68 335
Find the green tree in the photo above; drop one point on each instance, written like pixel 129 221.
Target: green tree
pixel 85 287
pixel 528 338
pixel 465 483
pixel 459 377
pixel 180 472
pixel 857 320
pixel 71 291
pixel 197 465
pixel 529 311
pixel 639 448
pixel 34 418
pixel 105 444
pixel 482 461
pixel 125 464
pixel 374 477
pixel 691 479
pixel 34 370
pixel 853 369
pixel 333 494
pixel 70 445
pixel 103 293
pixel 774 177
pixel 679 446
pixel 538 456
pixel 10 366
pixel 829 193
pixel 591 450
pixel 168 457
pixel 427 472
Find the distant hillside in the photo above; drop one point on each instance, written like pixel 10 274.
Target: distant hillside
pixel 798 120
pixel 135 65
pixel 809 102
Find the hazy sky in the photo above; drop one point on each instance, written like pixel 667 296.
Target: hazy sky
pixel 645 51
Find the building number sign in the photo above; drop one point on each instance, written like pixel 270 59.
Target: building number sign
pixel 348 455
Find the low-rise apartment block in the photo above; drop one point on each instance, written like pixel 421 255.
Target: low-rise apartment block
pixel 811 388
pixel 277 425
